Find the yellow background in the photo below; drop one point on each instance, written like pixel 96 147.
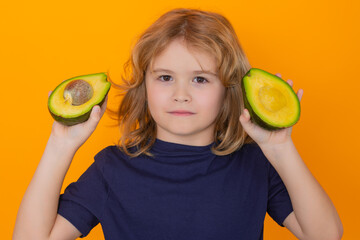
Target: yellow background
pixel 314 43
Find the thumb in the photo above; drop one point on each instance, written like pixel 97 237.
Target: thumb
pixel 245 116
pixel 245 120
pixel 95 115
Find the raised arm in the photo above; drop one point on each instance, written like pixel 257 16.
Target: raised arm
pixel 314 215
pixel 37 216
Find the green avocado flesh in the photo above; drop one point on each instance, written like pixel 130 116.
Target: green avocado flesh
pixel 272 103
pixel 72 100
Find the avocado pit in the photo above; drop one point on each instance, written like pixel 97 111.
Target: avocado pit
pixel 78 92
pixel 271 98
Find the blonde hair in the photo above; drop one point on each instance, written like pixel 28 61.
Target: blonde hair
pixel 203 30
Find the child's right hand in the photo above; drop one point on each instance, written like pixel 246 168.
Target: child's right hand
pixel 76 135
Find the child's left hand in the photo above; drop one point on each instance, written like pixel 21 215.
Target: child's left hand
pixel 265 137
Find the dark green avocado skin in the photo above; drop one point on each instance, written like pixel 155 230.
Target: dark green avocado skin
pixel 77 120
pixel 254 117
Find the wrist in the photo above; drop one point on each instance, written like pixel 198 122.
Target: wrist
pixel 56 158
pixel 61 145
pixel 276 151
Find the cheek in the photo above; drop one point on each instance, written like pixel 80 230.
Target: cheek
pixel 155 97
pixel 212 101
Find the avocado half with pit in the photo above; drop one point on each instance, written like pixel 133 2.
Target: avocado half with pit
pixel 72 101
pixel 272 103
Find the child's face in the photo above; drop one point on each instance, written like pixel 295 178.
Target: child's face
pixel 178 88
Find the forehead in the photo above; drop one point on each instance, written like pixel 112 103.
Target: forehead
pixel 178 54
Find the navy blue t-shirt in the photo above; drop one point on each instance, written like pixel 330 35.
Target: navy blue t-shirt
pixel 184 192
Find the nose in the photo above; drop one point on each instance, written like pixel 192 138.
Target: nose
pixel 181 93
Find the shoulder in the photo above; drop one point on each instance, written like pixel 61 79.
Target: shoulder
pixel 252 154
pixel 109 157
pixel 257 159
pixel 253 151
pixel 109 161
pixel 109 151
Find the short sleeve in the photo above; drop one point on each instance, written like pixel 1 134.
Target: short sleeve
pixel 279 203
pixel 83 201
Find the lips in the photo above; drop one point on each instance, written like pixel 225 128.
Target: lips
pixel 181 113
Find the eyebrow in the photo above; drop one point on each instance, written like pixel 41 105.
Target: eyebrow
pixel 196 72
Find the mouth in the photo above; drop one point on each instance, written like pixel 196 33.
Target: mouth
pixel 181 113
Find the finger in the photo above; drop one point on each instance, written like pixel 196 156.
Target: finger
pixel 300 94
pixel 94 118
pixel 290 82
pixel 103 107
pixel 97 112
pixel 245 118
pixel 246 123
pixel 245 115
pixel 288 131
pixel 49 93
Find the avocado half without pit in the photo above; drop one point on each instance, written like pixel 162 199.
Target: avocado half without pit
pixel 72 100
pixel 272 103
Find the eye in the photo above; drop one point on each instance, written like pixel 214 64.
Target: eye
pixel 201 80
pixel 164 78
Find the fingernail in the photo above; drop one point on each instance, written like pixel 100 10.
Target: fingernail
pixel 246 113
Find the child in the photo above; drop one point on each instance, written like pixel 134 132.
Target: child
pixel 190 163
